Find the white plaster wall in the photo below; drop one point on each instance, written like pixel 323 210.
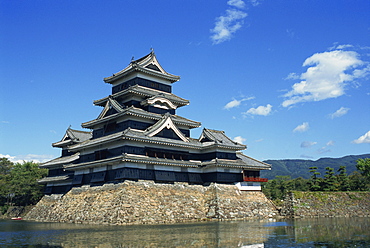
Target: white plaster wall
pixel 249 186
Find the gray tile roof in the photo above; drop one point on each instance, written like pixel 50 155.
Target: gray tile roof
pixel 159 161
pixel 218 137
pixel 192 143
pixel 141 136
pixel 96 142
pixel 91 164
pixel 144 64
pixel 73 136
pixel 54 179
pixel 133 158
pixel 57 162
pixel 253 163
pixel 145 92
pixel 78 136
pixel 133 111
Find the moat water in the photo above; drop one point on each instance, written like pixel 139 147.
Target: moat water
pixel 315 232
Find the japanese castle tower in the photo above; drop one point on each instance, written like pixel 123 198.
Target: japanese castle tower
pixel 138 136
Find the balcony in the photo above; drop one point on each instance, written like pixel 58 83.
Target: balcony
pixel 254 179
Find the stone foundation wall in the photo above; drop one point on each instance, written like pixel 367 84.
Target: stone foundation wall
pixel 146 202
pixel 327 204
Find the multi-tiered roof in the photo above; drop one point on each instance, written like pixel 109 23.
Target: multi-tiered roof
pixel 138 131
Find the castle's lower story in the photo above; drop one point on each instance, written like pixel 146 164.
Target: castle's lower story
pixel 161 170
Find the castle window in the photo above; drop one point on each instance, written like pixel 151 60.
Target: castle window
pixel 102 154
pixel 155 85
pixel 110 127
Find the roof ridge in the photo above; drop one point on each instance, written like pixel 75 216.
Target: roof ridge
pixel 144 57
pixel 216 131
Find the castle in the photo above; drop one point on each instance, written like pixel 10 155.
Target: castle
pixel 138 136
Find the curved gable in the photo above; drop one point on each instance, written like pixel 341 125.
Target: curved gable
pixel 159 102
pixel 166 122
pixel 111 105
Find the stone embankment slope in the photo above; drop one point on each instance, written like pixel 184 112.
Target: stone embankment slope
pixel 146 202
pixel 326 204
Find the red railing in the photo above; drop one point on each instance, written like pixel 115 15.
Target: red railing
pixel 255 179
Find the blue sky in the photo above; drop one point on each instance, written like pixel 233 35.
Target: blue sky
pixel 290 79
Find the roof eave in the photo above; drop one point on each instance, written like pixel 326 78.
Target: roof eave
pixel 62 144
pixel 103 162
pixel 127 111
pixel 137 89
pixel 127 71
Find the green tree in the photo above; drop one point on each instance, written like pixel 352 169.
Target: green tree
pixel 270 189
pixel 23 183
pixel 284 185
pixel 301 184
pixel 277 188
pixel 357 182
pixel 315 182
pixel 5 167
pixel 343 179
pixel 363 165
pixel 330 182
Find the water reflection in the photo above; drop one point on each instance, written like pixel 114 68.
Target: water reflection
pixel 324 232
pixel 335 229
pixel 215 234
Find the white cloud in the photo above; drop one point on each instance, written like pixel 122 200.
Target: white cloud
pixel 292 75
pixel 344 46
pixel 307 144
pixel 330 143
pixel 226 26
pixel 11 158
pixel 326 76
pixel 261 110
pixel 29 157
pixel 363 139
pixel 255 2
pixel 236 3
pixel 340 112
pixel 235 103
pixel 340 47
pixel 239 139
pixel 302 128
pixel 323 150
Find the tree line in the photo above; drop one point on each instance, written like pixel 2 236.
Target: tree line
pixel 339 180
pixel 18 183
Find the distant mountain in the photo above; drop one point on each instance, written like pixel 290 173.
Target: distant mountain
pixel 300 167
